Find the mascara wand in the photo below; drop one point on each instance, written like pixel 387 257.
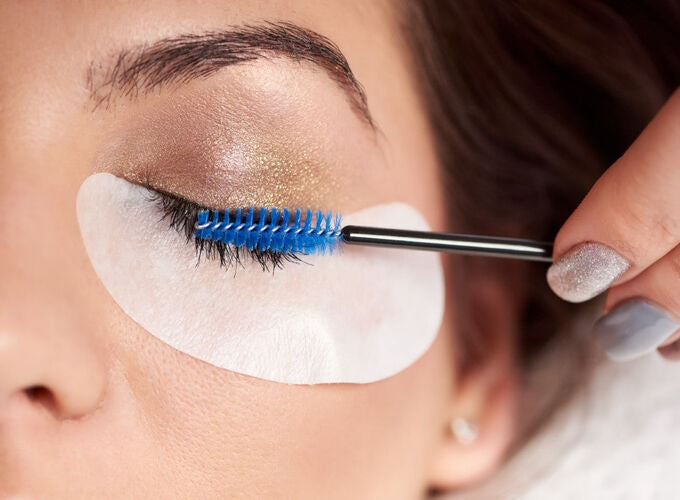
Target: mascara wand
pixel 277 230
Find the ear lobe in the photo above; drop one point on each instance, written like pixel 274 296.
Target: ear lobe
pixel 486 395
pixel 459 464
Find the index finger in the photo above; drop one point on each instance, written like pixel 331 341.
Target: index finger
pixel 629 219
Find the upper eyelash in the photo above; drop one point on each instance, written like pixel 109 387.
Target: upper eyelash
pixel 182 216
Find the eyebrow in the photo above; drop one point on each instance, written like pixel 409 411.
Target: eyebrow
pixel 180 59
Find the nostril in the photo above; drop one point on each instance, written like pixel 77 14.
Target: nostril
pixel 41 395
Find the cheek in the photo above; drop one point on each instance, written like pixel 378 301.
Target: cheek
pixel 313 436
pixel 359 317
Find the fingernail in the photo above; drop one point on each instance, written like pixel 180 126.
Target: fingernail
pixel 585 271
pixel 634 328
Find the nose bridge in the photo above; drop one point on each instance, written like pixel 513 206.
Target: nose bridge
pixel 38 231
pixel 48 326
pixel 49 323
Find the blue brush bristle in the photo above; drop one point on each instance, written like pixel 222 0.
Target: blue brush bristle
pixel 271 229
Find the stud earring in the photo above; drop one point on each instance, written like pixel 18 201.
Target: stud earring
pixel 464 430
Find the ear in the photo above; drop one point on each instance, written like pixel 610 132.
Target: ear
pixel 486 395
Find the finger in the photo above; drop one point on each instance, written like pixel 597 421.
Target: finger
pixel 644 312
pixel 629 219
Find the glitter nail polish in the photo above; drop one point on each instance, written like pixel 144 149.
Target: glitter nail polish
pixel 585 271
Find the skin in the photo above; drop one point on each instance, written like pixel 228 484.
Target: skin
pixel 117 413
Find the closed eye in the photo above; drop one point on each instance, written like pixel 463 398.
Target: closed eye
pixel 181 215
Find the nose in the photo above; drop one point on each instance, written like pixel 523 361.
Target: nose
pixel 50 356
pixel 47 358
pixel 44 362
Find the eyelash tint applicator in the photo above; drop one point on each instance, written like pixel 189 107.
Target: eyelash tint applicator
pixel 277 230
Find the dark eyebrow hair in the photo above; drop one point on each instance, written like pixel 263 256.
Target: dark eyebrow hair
pixel 179 59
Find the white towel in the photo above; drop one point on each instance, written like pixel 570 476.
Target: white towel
pixel 618 440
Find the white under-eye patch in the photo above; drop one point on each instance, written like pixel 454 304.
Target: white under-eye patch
pixel 359 316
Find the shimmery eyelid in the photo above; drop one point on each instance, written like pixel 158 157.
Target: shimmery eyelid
pixel 267 171
pixel 244 170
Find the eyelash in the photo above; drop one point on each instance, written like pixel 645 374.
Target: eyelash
pixel 182 214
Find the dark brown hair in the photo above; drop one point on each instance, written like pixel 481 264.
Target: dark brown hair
pixel 530 101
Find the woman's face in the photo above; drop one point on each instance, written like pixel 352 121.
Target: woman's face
pixel 91 403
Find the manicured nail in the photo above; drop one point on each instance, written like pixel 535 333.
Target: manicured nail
pixel 585 271
pixel 634 328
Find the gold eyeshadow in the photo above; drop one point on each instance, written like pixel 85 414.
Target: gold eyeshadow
pixel 269 170
pixel 240 172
